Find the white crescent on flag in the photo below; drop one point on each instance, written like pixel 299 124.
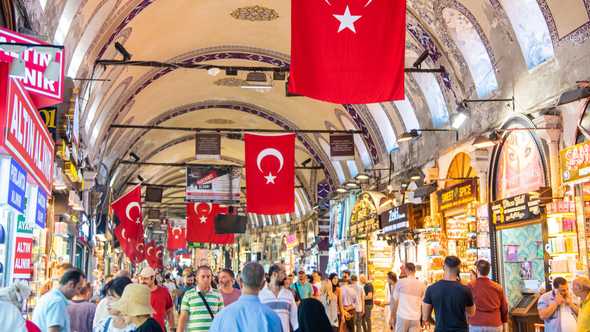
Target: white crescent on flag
pixel 128 210
pixel 148 250
pixel 123 235
pixel 270 152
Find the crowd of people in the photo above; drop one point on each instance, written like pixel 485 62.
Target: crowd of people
pixel 269 301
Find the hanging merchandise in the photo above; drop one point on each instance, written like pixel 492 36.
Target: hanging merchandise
pixel 270 173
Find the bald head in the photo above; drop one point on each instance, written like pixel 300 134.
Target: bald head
pixel 581 287
pixel 253 276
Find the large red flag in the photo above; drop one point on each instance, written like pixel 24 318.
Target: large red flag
pixel 176 238
pixel 133 248
pixel 153 255
pixel 348 52
pixel 128 211
pixel 270 173
pixel 200 219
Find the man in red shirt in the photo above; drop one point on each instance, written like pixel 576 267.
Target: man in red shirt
pixel 160 299
pixel 491 307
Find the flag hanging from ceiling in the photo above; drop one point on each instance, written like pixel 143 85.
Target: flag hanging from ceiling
pixel 133 248
pixel 154 255
pixel 176 238
pixel 270 173
pixel 200 219
pixel 348 52
pixel 127 208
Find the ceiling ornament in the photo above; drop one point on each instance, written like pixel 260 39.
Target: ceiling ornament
pixel 255 13
pixel 230 82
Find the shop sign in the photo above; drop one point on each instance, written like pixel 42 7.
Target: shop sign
pixel 575 162
pixel 41 210
pixel 71 171
pixel 291 241
pixel 14 186
pixel 23 254
pixel 396 219
pixel 44 92
pixel 515 209
pixel 25 136
pixel 208 146
pixel 23 227
pixel 342 147
pixel 458 195
pixel 49 116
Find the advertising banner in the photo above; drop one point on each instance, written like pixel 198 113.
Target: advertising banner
pixel 44 92
pixel 14 186
pixel 41 208
pixel 575 162
pixel 23 254
pixel 24 135
pixel 515 209
pixel 396 219
pixel 210 183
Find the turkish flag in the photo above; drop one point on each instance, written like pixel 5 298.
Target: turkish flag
pixel 133 248
pixel 176 238
pixel 270 173
pixel 222 238
pixel 154 255
pixel 127 208
pixel 348 52
pixel 200 226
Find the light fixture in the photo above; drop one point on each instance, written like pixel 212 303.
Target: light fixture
pixel 140 178
pixel 231 71
pixel 420 60
pixel 256 80
pixel 408 136
pixel 123 51
pixel 134 156
pixel 461 116
pixel 341 190
pixel 17 68
pixel 53 71
pixel 279 75
pixel 213 71
pixel 351 184
pixel 362 177
pixel 415 177
pixel 404 185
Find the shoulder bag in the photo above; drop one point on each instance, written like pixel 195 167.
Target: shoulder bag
pixel 206 304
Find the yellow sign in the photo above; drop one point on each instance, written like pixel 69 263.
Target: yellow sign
pixel 575 162
pixel 457 195
pixel 71 171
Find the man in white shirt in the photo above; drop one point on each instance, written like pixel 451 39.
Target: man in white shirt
pixel 407 302
pixel 350 300
pixel 280 299
pixel 360 304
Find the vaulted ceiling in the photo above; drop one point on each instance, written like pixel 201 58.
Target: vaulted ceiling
pixel 488 48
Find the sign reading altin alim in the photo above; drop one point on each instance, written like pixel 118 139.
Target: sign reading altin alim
pixel 23 134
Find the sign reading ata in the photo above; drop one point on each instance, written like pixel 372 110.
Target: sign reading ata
pixel 44 92
pixel 575 162
pixel 24 134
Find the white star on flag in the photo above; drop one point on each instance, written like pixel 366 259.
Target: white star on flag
pixel 270 178
pixel 203 219
pixel 347 20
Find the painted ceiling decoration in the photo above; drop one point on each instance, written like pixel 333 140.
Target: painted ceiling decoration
pixel 255 13
pixel 471 39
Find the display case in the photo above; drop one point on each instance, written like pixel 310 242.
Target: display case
pixel 562 237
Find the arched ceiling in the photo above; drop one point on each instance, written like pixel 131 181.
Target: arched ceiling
pixel 469 38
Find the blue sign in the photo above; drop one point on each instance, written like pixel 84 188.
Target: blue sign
pixel 41 209
pixel 17 186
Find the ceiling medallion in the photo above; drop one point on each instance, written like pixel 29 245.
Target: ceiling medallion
pixel 230 81
pixel 255 13
pixel 220 121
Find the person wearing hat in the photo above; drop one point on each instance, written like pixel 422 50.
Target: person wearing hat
pixel 581 288
pixel 160 298
pixel 135 306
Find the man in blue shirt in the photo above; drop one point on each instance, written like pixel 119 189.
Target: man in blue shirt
pixel 557 308
pixel 247 313
pixel 51 313
pixel 302 287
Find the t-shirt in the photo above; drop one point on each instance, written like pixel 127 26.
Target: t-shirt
pixel 368 287
pixel 409 293
pixel 161 302
pixel 81 315
pixel 199 318
pixel 150 325
pixel 449 300
pixel 283 305
pixel 51 310
pixel 304 291
pixel 231 297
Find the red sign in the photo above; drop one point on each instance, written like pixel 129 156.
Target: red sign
pixel 43 92
pixel 23 257
pixel 23 132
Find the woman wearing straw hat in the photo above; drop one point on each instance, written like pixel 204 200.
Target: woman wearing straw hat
pixel 135 306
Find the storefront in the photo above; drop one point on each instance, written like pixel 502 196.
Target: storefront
pixel 519 231
pixel 457 206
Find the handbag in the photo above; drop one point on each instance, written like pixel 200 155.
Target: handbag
pixel 206 304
